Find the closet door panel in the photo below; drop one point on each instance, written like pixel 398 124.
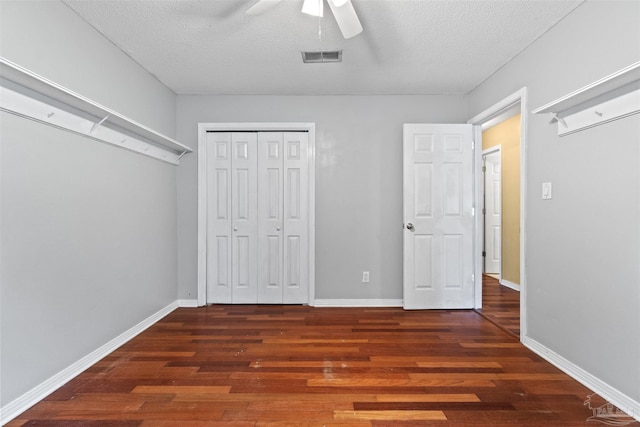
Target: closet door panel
pixel 270 223
pixel 296 203
pixel 244 217
pixel 219 256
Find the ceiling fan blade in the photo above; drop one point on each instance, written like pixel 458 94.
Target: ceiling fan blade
pixel 346 17
pixel 313 7
pixel 261 6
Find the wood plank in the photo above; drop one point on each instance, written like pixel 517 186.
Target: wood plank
pixel 454 364
pixel 462 397
pixel 490 345
pixel 391 415
pixel 435 381
pixel 489 376
pixel 180 389
pixel 197 423
pixel 314 423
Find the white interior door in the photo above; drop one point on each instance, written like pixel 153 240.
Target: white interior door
pixel 438 216
pixel 492 211
pixel 258 217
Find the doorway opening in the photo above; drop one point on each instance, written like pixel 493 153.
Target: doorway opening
pixel 492 212
pixel 502 298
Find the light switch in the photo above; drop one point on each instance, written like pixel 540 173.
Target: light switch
pixel 547 191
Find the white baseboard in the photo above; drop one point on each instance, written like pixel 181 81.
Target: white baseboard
pixel 604 390
pixel 39 392
pixel 357 303
pixel 187 303
pixel 510 285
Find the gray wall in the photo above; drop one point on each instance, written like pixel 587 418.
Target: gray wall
pixel 358 180
pixel 88 234
pixel 583 247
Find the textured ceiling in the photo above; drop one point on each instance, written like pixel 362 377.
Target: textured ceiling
pixel 407 46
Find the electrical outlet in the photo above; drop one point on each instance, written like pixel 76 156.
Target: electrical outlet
pixel 365 277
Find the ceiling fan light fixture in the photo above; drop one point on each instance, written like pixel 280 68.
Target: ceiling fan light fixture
pixel 343 11
pixel 261 6
pixel 313 7
pixel 321 56
pixel 338 3
pixel 346 18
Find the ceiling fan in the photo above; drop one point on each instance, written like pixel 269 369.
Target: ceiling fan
pixel 342 10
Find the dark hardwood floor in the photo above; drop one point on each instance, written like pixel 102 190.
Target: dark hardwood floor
pixel 268 365
pixel 500 305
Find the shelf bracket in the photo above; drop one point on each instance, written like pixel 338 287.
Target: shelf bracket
pixel 95 125
pixel 559 120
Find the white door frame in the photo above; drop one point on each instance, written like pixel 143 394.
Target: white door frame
pixel 497 112
pixel 495 149
pixel 203 128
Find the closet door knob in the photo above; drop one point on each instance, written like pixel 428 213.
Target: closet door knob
pixel 278 228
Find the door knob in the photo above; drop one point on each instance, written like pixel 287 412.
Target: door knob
pixel 278 228
pixel 410 226
pixel 235 228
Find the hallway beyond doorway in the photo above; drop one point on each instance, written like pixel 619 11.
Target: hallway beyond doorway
pixel 500 305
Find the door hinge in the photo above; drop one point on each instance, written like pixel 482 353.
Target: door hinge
pixel 473 145
pixel 484 168
pixel 473 211
pixel 484 211
pixel 484 254
pixel 473 278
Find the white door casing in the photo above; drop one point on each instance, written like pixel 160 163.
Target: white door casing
pixel 513 104
pixel 207 196
pixel 438 210
pixel 258 217
pixel 492 166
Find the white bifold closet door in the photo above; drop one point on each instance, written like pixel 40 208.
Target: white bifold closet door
pixel 257 232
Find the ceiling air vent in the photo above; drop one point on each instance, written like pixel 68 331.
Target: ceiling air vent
pixel 322 56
